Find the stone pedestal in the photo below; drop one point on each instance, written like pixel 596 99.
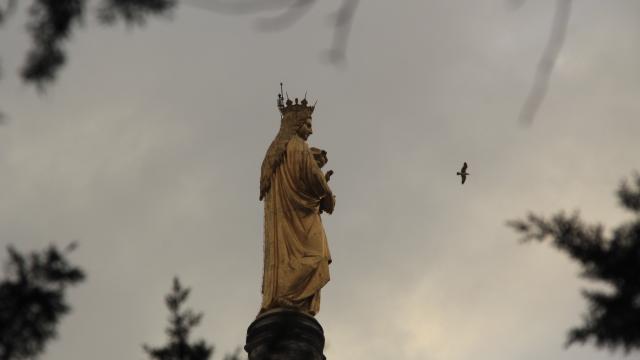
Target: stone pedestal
pixel 285 335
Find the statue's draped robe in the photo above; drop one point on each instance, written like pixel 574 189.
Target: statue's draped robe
pixel 296 253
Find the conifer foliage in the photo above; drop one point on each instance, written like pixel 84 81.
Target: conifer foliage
pixel 33 300
pixel 613 316
pixel 181 323
pixel 52 22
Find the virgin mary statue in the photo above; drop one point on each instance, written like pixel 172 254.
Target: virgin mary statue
pixel 295 192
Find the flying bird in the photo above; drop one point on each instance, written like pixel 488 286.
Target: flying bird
pixel 463 172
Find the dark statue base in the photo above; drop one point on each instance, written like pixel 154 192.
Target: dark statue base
pixel 285 335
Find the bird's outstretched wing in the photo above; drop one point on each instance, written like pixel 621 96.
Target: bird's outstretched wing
pixel 464 167
pixel 464 177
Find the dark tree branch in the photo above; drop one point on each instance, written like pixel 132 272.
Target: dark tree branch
pixel 547 62
pixel 291 15
pixel 612 318
pixel 50 24
pixel 294 10
pixel 33 300
pixel 133 11
pixel 630 197
pixel 231 7
pixel 343 22
pixel 181 323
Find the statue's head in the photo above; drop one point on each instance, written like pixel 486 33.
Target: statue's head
pixel 296 119
pixel 304 128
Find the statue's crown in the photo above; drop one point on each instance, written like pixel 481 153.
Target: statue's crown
pixel 290 106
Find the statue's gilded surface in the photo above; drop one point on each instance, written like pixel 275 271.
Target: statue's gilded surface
pixel 295 192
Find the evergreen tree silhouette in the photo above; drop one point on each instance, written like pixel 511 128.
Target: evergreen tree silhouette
pixel 33 300
pixel 52 22
pixel 613 317
pixel 181 322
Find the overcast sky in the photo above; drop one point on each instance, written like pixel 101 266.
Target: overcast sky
pixel 148 151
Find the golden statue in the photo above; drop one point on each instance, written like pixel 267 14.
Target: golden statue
pixel 295 193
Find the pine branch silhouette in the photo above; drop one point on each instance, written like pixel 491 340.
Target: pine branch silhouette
pixel 33 300
pixel 181 323
pixel 612 319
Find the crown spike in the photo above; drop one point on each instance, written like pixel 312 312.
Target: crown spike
pixel 290 106
pixel 279 102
